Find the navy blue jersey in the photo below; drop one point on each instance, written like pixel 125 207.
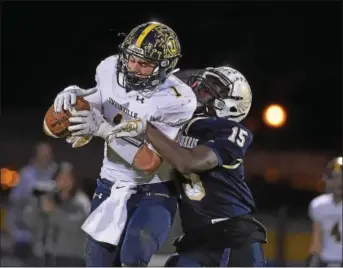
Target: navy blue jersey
pixel 221 192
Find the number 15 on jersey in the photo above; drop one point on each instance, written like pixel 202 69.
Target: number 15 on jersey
pixel 238 136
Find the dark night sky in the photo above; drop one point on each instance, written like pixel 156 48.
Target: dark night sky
pixel 291 53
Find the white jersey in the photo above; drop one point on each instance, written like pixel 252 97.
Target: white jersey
pixel 171 107
pixel 328 214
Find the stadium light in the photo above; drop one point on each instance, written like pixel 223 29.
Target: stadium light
pixel 9 178
pixel 274 116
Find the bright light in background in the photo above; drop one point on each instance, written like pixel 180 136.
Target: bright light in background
pixel 274 116
pixel 9 178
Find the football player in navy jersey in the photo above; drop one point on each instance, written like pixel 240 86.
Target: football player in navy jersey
pixel 216 205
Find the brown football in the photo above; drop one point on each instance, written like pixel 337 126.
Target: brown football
pixel 56 124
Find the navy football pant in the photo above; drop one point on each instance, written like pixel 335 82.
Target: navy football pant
pixel 250 255
pixel 150 215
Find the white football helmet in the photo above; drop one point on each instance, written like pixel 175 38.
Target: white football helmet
pixel 222 92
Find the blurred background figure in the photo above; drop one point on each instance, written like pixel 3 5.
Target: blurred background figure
pixel 38 171
pixel 325 212
pixel 55 219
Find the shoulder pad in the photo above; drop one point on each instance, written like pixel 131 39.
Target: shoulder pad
pixel 110 61
pixel 173 86
pixel 176 97
pixel 318 204
pixel 321 200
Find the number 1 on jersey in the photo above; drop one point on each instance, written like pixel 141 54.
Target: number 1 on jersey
pixel 177 93
pixel 240 138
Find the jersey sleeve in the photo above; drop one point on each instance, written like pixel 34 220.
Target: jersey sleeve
pixel 230 144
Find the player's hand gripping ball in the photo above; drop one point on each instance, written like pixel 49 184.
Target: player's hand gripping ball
pixel 56 124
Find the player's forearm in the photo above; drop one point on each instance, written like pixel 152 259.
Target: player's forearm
pixel 316 238
pixel 136 153
pixel 181 158
pixel 146 160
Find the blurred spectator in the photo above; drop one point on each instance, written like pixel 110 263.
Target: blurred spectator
pixel 56 219
pixel 40 168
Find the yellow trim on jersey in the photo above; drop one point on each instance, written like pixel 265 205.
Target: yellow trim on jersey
pixel 240 161
pixel 145 32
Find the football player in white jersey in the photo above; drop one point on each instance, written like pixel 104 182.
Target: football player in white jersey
pixel 326 214
pixel 135 201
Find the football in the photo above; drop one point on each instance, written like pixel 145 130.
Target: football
pixel 56 124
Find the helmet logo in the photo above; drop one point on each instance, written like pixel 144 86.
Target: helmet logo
pixel 171 46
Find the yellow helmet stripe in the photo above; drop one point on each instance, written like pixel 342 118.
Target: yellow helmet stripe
pixel 145 32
